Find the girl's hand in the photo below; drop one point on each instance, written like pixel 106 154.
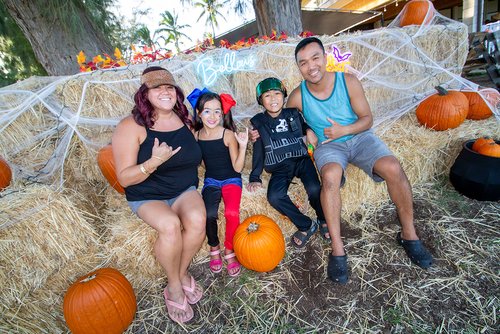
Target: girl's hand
pixel 253 186
pixel 242 138
pixel 163 151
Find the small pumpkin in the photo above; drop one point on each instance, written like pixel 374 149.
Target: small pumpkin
pixel 478 109
pixel 480 142
pixel 417 12
pixel 102 301
pixel 490 150
pixel 444 110
pixel 5 174
pixel 259 244
pixel 107 166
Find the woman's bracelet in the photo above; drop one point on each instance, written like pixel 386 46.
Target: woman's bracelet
pixel 158 158
pixel 144 170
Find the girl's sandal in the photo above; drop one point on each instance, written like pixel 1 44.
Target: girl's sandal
pixel 232 265
pixel 215 264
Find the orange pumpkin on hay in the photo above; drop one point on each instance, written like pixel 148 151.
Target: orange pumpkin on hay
pixel 107 166
pixel 417 12
pixel 259 244
pixel 5 174
pixel 102 301
pixel 444 110
pixel 478 109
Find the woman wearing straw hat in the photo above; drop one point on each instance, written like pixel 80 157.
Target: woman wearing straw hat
pixel 157 160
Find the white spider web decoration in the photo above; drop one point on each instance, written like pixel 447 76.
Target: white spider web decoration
pixel 52 127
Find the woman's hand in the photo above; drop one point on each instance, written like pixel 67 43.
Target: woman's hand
pixel 163 151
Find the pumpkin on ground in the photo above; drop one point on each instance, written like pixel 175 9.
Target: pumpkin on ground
pixel 259 244
pixel 480 142
pixel 417 12
pixel 107 166
pixel 478 109
pixel 490 150
pixel 5 174
pixel 102 301
pixel 444 110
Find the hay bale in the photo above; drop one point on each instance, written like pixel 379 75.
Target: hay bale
pixel 42 231
pixel 129 245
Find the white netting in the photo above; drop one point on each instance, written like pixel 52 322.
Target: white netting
pixel 52 127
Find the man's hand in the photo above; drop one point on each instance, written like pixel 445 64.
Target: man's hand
pixel 333 132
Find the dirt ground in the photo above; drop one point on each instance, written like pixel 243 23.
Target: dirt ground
pixel 385 292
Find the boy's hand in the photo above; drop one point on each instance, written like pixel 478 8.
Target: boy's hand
pixel 311 138
pixel 254 135
pixel 253 186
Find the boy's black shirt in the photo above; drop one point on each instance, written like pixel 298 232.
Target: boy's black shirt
pixel 280 143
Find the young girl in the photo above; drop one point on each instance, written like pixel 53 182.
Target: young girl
pixel 223 153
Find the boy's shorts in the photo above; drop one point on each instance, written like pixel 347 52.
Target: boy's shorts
pixel 134 205
pixel 363 150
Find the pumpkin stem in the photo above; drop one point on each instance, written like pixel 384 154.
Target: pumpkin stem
pixel 252 227
pixel 88 278
pixel 441 91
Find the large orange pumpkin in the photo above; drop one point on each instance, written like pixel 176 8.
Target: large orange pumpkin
pixel 478 109
pixel 102 301
pixel 490 149
pixel 480 142
pixel 107 166
pixel 444 110
pixel 5 174
pixel 415 12
pixel 259 244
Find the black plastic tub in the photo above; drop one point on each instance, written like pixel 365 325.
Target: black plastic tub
pixel 475 175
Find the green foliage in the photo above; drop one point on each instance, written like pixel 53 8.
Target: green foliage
pixel 170 24
pixel 210 8
pixel 17 60
pixel 103 19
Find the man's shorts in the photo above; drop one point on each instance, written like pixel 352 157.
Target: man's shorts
pixel 134 205
pixel 362 150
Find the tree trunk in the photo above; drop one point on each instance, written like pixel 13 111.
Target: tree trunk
pixel 280 15
pixel 55 44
